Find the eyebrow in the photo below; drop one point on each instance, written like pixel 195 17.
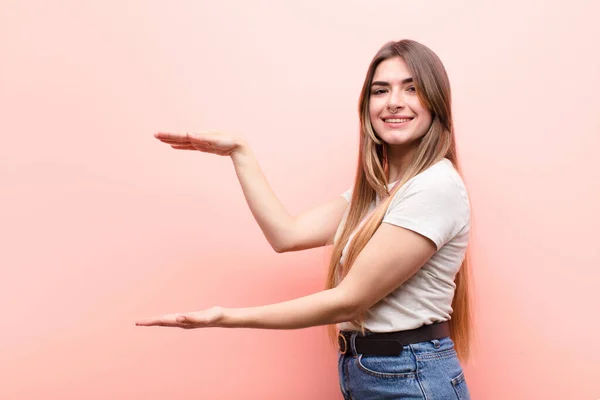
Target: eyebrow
pixel 383 83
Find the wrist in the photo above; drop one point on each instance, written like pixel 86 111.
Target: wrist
pixel 241 151
pixel 230 318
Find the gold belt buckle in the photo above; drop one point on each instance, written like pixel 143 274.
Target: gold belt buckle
pixel 345 343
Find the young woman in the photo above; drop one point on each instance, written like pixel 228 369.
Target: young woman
pixel 396 298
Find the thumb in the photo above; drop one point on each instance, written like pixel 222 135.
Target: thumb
pixel 182 318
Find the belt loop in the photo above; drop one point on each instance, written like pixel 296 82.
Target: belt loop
pixel 353 343
pixel 342 339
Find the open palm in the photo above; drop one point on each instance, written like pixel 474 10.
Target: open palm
pixel 219 143
pixel 192 320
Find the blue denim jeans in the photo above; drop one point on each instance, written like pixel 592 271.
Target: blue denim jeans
pixel 427 370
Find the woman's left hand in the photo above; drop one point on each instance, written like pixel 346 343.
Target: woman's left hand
pixel 200 319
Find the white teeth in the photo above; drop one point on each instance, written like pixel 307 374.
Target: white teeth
pixel 397 120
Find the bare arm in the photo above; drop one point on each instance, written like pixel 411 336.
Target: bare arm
pixel 390 258
pixel 313 228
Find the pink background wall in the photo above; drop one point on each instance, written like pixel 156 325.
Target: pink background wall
pixel 100 224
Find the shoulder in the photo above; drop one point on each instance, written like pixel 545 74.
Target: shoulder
pixel 441 182
pixel 434 203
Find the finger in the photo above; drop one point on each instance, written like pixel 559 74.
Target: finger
pixel 148 322
pixel 162 320
pixel 187 319
pixel 200 143
pixel 196 319
pixel 204 136
pixel 183 319
pixel 207 139
pixel 172 136
pixel 167 325
pixel 197 147
pixel 169 141
pixel 163 324
pixel 183 147
pixel 169 136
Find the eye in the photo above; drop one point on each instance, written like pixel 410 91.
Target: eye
pixel 379 91
pixel 411 89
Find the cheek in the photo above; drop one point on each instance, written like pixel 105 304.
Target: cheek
pixel 374 110
pixel 373 115
pixel 426 123
pixel 428 118
pixel 424 120
pixel 423 113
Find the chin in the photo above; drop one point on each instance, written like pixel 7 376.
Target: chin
pixel 397 138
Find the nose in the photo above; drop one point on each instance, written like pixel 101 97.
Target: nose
pixel 395 101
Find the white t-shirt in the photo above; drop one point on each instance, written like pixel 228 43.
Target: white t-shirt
pixel 434 204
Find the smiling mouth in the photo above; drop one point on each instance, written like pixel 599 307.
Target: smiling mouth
pixel 397 120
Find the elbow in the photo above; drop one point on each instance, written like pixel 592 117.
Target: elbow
pixel 349 308
pixel 283 239
pixel 279 250
pixel 280 247
pixel 283 245
pixel 351 313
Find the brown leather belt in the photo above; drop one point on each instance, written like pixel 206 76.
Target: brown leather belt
pixel 392 343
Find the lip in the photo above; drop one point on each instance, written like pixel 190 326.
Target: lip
pixel 395 125
pixel 397 117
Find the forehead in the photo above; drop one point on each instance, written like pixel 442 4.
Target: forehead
pixel 391 70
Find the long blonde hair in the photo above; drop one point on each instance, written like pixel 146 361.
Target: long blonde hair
pixel 371 181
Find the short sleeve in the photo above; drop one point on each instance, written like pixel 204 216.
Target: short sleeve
pixel 432 205
pixel 347 195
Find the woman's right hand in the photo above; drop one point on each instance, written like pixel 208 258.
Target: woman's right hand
pixel 215 142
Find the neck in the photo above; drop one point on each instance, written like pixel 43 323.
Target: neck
pixel 399 159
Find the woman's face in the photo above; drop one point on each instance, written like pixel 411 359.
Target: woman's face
pixel 397 115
